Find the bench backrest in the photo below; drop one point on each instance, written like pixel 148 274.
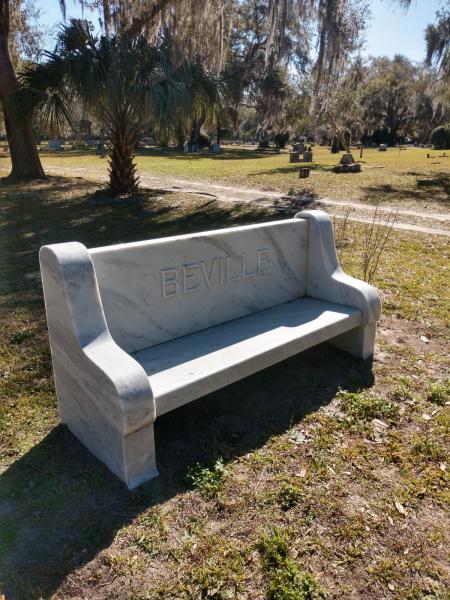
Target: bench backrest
pixel 162 289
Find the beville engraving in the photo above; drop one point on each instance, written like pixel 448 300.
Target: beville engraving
pixel 220 270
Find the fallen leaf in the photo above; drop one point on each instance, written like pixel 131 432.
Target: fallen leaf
pixel 302 472
pixel 426 417
pixel 424 339
pixel 379 423
pixel 390 519
pixel 399 506
pixel 391 586
pixel 443 467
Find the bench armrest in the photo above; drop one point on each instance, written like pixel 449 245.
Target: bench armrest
pixel 86 359
pixel 325 279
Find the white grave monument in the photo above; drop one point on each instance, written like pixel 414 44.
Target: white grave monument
pixel 139 329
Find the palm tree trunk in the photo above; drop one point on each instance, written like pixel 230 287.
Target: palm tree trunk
pixel 19 132
pixel 122 168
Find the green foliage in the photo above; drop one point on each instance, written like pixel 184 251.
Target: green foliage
pixel 208 480
pixel 20 336
pixel 440 137
pixel 203 140
pixel 289 495
pixel 439 393
pixel 429 449
pixel 274 549
pixel 361 406
pixel 287 581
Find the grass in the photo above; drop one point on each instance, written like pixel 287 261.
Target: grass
pixel 319 492
pixel 387 177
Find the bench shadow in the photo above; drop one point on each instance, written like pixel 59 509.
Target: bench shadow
pixel 60 507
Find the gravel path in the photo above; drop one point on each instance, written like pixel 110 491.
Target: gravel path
pixel 409 220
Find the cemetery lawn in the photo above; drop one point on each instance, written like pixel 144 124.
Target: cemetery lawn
pixel 321 477
pixel 388 177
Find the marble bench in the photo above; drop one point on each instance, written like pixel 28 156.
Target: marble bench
pixel 139 329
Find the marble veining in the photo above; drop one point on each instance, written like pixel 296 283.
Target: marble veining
pixel 154 292
pixel 138 329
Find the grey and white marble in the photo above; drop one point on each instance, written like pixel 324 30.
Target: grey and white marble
pixel 139 329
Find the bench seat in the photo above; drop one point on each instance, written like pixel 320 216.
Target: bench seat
pixel 189 367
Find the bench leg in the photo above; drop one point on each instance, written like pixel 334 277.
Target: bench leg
pixel 359 342
pixel 139 462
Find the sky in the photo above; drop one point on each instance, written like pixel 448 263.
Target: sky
pixel 391 31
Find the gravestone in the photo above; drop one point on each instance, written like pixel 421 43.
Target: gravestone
pixel 383 147
pixel 294 157
pixel 303 172
pixel 300 147
pixel 139 329
pixel 308 156
pixel 347 159
pixel 54 144
pixel 215 148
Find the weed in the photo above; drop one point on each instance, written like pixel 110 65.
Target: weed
pixel 292 583
pixel 208 480
pixel 361 406
pixel 287 581
pixel 289 495
pixel 428 449
pixel 439 393
pixel 385 570
pixel 20 336
pixel 402 390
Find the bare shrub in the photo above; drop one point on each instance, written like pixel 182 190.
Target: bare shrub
pixel 340 223
pixel 375 237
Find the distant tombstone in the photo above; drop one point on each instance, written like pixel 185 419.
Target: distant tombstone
pixel 92 142
pixel 6 148
pixel 308 156
pixel 347 159
pixel 300 147
pixel 215 148
pixel 353 168
pixel 189 148
pixel 383 147
pixel 303 172
pixel 54 144
pixel 294 157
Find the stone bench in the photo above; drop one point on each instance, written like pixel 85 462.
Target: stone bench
pixel 137 330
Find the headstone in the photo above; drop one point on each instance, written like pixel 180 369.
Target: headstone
pixel 308 156
pixel 54 144
pixel 303 172
pixel 383 147
pixel 174 319
pixel 347 159
pixel 215 148
pixel 300 147
pixel 353 168
pixel 294 157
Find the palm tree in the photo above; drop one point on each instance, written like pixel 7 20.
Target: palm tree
pixel 125 82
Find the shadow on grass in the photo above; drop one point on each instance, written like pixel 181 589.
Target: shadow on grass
pixel 293 168
pixel 60 507
pixel 225 154
pixel 437 188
